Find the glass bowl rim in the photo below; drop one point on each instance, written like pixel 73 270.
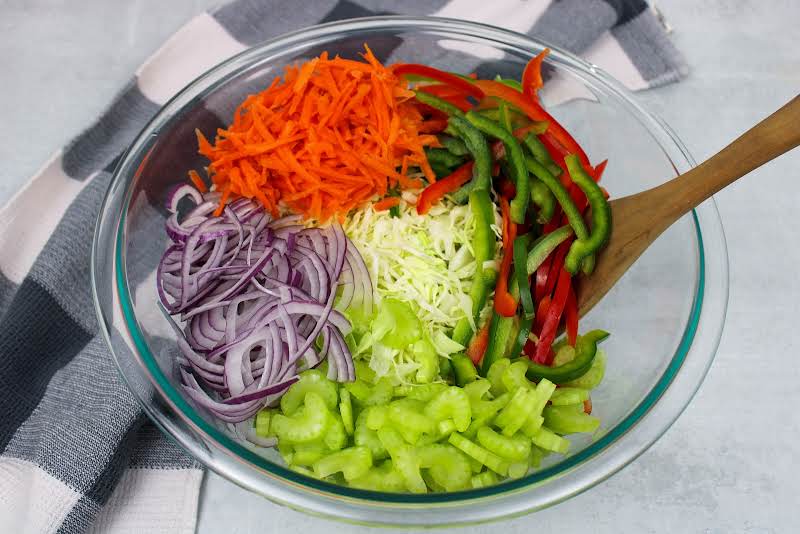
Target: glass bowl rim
pixel 207 83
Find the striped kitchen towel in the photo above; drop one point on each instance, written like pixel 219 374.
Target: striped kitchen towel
pixel 76 452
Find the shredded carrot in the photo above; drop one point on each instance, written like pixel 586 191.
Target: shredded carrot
pixel 197 181
pixel 386 203
pixel 323 139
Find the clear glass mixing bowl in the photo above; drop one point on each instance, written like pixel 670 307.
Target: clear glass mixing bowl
pixel 665 315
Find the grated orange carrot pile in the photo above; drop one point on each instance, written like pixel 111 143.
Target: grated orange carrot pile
pixel 324 139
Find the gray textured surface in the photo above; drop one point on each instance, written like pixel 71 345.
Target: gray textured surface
pixel 728 464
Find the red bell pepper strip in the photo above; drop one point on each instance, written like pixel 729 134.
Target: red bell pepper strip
pixel 432 194
pixel 477 347
pixel 506 188
pixel 535 112
pixel 432 126
pixel 587 406
pixel 541 313
pixel 532 75
pixel 598 170
pixel 448 94
pixel 558 264
pixel 452 80
pixel 553 318
pixel 571 317
pixel 504 303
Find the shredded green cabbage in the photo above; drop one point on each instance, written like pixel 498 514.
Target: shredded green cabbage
pixel 426 261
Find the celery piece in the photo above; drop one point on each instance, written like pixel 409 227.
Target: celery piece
pixel 308 425
pixel 286 451
pixel 367 437
pixel 532 425
pixel 592 378
pixel 477 390
pixel 404 417
pixel 377 417
pixel 463 368
pixel 483 480
pixel 358 389
pixel 396 325
pixel 422 392
pixel 514 378
pixel 381 393
pixel 495 376
pixel 303 471
pixel 487 409
pixel 352 462
pixel 308 453
pixel 425 355
pixel 487 458
pixel 446 427
pixel 311 380
pixel 549 441
pixel 518 469
pixel 431 482
pixel 513 416
pixel 515 448
pixel 262 422
pixel 451 403
pixel 381 478
pixel 346 411
pixel 564 354
pixel 564 396
pixel 472 430
pixel 448 466
pixel 364 371
pixel 566 420
pixel 336 436
pixel 536 457
pixel 404 459
pixel 544 390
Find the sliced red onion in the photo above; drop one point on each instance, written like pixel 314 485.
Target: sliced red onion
pixel 254 294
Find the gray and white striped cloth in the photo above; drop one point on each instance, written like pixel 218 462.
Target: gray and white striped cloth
pixel 76 452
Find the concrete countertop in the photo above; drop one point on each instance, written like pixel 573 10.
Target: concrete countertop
pixel 729 463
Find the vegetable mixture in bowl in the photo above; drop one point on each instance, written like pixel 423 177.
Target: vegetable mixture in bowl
pixel 372 272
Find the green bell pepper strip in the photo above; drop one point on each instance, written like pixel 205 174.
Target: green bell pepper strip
pixel 504 117
pixel 539 151
pixel 568 205
pixel 438 103
pixel 463 368
pixel 483 248
pixel 521 276
pixel 516 159
pixel 583 247
pixel 454 145
pixel 443 157
pixel 500 330
pixel 585 352
pixel 479 149
pixel 545 246
pixel 543 199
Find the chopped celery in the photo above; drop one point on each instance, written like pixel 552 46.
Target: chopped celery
pixel 302 470
pixel 564 354
pixel 536 457
pixel 515 448
pixel 495 376
pixel 513 416
pixel 335 437
pixel 262 422
pixel 381 478
pixel 346 411
pixel 308 453
pixel 353 462
pixel 451 403
pixel 308 425
pixel 367 437
pixel 566 420
pixel 396 325
pixel 487 458
pixel 514 378
pixel 446 427
pixel 544 390
pixel 376 417
pixel 381 393
pixel 463 368
pixel 485 479
pixel 425 355
pixel 477 390
pixel 404 459
pixel 518 469
pixel 564 396
pixel 423 392
pixel 358 389
pixel 547 440
pixel 311 380
pixel 487 409
pixel 404 417
pixel 363 371
pixel 448 466
pixel 532 425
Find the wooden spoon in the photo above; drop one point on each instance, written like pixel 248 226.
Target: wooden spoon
pixel 637 220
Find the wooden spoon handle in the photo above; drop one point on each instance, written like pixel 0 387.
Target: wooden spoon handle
pixel 773 136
